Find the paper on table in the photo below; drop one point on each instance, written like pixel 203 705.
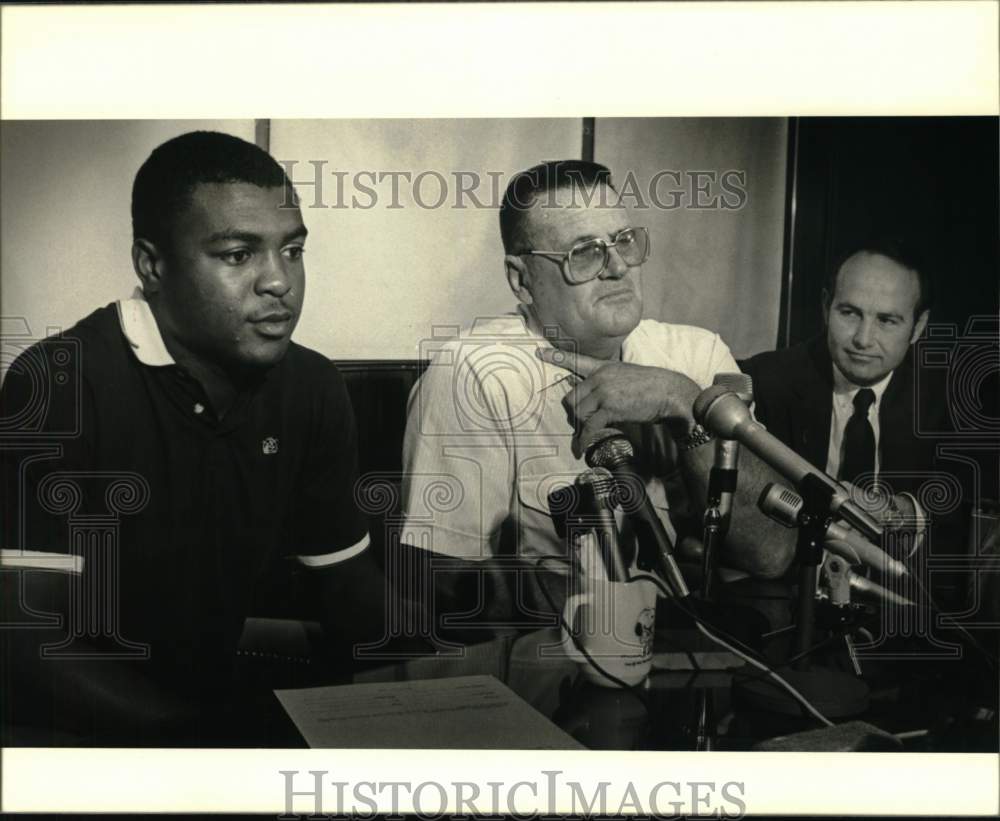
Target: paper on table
pixel 468 712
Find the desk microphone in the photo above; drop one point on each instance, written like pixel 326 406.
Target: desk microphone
pixel 843 585
pixel 783 506
pixel 597 508
pixel 723 475
pixel 610 448
pixel 724 414
pixel 739 383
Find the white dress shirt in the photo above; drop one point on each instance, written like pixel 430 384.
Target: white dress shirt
pixel 488 437
pixel 844 392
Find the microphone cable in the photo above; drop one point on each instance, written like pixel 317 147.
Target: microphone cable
pixel 990 658
pixel 746 656
pixel 699 623
pixel 635 689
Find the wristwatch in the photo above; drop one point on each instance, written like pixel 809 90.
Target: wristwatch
pixel 695 438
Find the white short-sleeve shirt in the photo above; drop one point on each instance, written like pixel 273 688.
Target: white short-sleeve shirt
pixel 488 437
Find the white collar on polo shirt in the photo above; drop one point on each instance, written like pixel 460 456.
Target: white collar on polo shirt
pixel 140 329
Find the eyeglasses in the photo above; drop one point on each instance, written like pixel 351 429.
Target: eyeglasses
pixel 589 259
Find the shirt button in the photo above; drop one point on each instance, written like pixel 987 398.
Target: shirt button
pixel 198 407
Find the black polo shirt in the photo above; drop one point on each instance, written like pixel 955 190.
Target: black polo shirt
pixel 195 506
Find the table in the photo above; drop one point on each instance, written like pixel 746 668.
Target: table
pixel 662 713
pixel 656 715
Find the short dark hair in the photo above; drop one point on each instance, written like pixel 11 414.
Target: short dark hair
pixel 901 250
pixel 164 182
pixel 527 186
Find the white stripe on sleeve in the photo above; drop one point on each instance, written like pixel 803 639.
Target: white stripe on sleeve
pixel 328 559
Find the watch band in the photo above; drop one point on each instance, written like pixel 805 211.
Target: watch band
pixel 695 438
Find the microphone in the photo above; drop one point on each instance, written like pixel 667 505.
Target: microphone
pixel 609 448
pixel 783 506
pixel 867 589
pixel 739 383
pixel 843 582
pixel 722 477
pixel 724 414
pixel 596 508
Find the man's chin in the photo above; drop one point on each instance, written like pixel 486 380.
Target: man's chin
pixel 264 356
pixel 862 376
pixel 620 321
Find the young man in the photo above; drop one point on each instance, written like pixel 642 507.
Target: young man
pixel 213 442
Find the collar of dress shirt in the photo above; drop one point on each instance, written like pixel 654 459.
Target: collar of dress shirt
pixel 844 390
pixel 551 374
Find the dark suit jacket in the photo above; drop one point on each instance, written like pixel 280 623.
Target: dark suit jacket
pixel 793 390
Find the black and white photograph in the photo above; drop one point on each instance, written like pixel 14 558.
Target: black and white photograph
pixel 555 436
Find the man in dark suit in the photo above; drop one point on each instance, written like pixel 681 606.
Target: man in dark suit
pixel 853 402
pixel 846 400
pixel 849 401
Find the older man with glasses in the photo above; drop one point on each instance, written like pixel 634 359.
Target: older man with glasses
pixel 504 411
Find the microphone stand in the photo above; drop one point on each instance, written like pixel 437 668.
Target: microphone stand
pixel 713 531
pixel 715 526
pixel 835 694
pixel 836 612
pixel 814 519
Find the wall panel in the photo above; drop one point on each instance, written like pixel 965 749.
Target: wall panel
pixel 713 264
pixel 65 198
pixel 380 278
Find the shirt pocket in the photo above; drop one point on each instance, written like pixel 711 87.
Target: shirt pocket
pixel 538 476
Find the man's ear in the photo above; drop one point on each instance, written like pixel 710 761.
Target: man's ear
pixel 825 298
pixel 919 325
pixel 517 277
pixel 148 263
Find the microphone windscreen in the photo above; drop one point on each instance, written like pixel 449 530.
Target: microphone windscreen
pixel 607 448
pixel 600 483
pixel 739 383
pixel 780 503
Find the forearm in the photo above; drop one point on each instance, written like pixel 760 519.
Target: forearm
pixel 754 542
pixel 360 604
pixel 459 600
pixel 624 393
pixel 353 600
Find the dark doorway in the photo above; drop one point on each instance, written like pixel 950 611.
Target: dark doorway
pixel 934 180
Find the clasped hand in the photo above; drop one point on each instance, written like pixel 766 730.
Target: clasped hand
pixel 896 512
pixel 619 392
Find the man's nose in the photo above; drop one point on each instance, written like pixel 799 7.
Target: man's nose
pixel 863 333
pixel 616 267
pixel 273 278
